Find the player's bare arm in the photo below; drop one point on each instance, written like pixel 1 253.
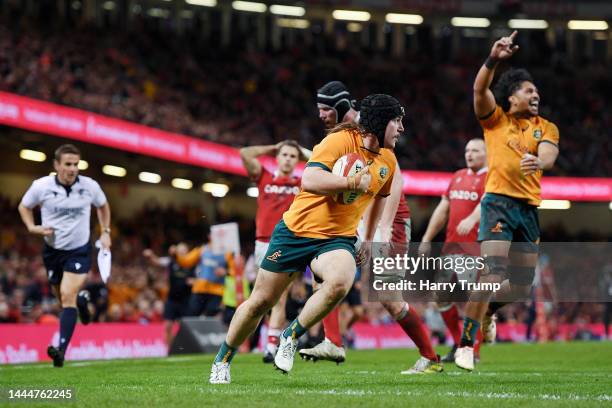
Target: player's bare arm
pixel 152 257
pixel 305 153
pixel 386 220
pixel 104 218
pixel 318 181
pixel 545 160
pixel 371 222
pixel 436 223
pixel 484 100
pixel 249 157
pixel 466 224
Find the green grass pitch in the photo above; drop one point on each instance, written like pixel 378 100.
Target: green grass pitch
pixel 510 375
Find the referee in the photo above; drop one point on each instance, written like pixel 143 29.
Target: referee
pixel 65 200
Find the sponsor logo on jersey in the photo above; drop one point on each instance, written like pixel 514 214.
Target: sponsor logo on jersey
pixel 275 189
pixel 463 195
pixel 274 256
pixel 68 212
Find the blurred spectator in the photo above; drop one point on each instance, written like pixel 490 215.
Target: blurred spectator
pixel 246 96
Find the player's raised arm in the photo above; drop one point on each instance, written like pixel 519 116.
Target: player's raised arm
pixel 484 101
pixel 249 157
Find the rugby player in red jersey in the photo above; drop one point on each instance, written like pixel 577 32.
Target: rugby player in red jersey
pixel 276 193
pixel 459 210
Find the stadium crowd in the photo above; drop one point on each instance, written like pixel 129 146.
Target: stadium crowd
pixel 250 96
pixel 137 290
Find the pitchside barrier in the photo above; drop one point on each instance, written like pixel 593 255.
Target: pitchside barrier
pixel 55 120
pixel 27 343
pixel 198 335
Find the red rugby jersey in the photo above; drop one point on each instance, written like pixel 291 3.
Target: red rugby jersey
pixel 398 234
pixel 276 193
pixel 464 193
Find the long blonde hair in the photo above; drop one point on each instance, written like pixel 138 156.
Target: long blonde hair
pixel 351 127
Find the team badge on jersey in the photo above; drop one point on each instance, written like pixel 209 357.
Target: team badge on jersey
pixel 537 134
pixel 383 172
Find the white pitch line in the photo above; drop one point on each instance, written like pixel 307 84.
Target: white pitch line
pixel 462 394
pixel 179 359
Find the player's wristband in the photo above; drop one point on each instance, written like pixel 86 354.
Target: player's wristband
pixel 491 62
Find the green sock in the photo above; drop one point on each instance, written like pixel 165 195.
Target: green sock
pixel 295 330
pixel 470 329
pixel 226 353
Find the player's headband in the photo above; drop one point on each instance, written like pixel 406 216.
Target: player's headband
pixel 335 95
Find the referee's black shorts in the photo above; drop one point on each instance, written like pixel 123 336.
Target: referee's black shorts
pixel 58 261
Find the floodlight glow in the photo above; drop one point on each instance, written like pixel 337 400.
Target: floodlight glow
pixel 32 155
pixel 204 3
pixel 587 25
pixel 251 6
pixel 216 189
pixel 294 11
pixel 181 183
pixel 114 171
pixel 397 18
pixel 473 22
pixel 525 24
pixel 351 15
pixel 254 193
pixel 293 23
pixel 354 27
pixel 148 177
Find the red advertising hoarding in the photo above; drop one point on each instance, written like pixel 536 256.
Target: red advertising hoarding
pixel 44 117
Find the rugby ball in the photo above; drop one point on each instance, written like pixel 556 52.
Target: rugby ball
pixel 348 165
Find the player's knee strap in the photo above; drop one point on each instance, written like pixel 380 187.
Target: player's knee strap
pixel 521 275
pixel 496 265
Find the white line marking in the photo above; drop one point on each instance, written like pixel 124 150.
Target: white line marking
pixel 462 394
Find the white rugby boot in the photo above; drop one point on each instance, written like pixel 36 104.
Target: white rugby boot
pixel 424 366
pixel 464 358
pixel 326 350
pixel 285 354
pixel 220 373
